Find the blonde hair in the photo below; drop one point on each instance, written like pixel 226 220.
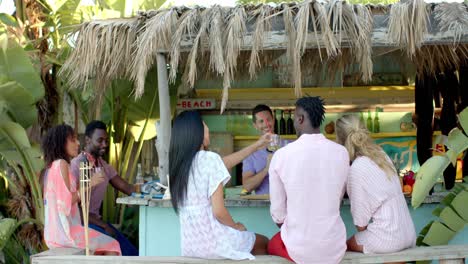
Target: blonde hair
pixel 351 133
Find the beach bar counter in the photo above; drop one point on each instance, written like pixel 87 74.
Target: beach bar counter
pixel 159 229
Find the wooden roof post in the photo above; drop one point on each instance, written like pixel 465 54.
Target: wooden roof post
pixel 164 128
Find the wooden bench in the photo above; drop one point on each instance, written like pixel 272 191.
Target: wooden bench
pixel 451 254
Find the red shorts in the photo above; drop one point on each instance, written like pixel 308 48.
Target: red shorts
pixel 276 247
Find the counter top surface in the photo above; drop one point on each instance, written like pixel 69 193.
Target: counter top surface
pixel 235 200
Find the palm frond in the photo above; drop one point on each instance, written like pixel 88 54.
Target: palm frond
pixel 408 24
pixel 155 35
pixel 452 17
pixel 262 25
pixel 235 29
pixel 188 25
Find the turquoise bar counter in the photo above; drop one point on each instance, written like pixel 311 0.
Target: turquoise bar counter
pixel 159 231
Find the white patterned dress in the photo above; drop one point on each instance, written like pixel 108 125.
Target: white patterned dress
pixel 202 235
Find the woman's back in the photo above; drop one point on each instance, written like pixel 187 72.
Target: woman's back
pixel 202 235
pixel 377 202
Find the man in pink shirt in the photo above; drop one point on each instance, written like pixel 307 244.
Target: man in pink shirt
pixel 307 184
pixel 95 148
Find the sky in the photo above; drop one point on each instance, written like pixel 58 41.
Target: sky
pixel 7 6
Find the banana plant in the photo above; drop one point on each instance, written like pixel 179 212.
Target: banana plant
pixel 20 89
pixel 433 168
pixel 452 218
pixel 9 244
pixel 453 214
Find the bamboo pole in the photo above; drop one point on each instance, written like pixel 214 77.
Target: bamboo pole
pixel 164 128
pixel 85 194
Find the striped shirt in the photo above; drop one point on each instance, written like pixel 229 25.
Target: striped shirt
pixel 378 203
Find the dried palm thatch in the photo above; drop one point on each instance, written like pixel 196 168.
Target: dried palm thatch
pixel 233 39
pixel 105 49
pixel 210 31
pixel 262 24
pixel 356 22
pixel 434 59
pixel 223 42
pixel 103 52
pixel 156 34
pixel 452 17
pixel 291 56
pixel 187 26
pixel 408 24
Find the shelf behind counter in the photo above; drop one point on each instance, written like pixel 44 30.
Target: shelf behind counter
pixel 241 141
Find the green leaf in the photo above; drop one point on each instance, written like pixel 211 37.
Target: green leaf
pixel 427 177
pixel 452 219
pixel 8 20
pixel 426 228
pixel 448 199
pixel 463 119
pixel 7 227
pixel 457 142
pixel 464 185
pixel 420 238
pixel 3 45
pixel 419 241
pixel 460 203
pixel 458 188
pixel 15 134
pixel 34 154
pixel 138 129
pixel 70 13
pixel 424 262
pixel 437 211
pixel 18 103
pixel 16 65
pixel 438 234
pixel 55 4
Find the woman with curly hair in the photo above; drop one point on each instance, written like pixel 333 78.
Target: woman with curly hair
pixel 62 225
pixel 378 207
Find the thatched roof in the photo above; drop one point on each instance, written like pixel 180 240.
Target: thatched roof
pixel 223 40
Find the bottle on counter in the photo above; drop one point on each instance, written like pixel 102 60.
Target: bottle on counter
pixel 376 121
pixel 289 123
pixel 282 124
pixel 276 129
pixel 362 118
pixel 370 127
pixel 139 181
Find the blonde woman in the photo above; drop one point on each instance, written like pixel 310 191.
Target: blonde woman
pixel 378 207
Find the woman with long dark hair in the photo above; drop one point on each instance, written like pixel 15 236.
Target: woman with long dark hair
pixel 62 225
pixel 197 178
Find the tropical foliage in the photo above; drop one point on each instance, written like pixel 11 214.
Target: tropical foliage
pixel 453 214
pixel 34 43
pixel 21 89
